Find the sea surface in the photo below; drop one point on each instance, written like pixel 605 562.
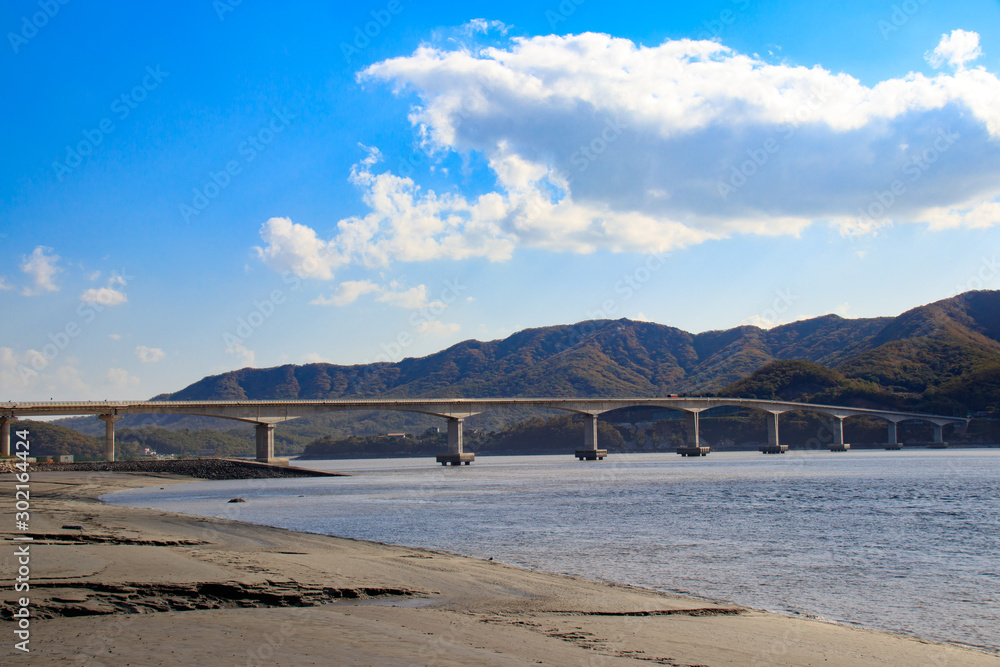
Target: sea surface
pixel 907 541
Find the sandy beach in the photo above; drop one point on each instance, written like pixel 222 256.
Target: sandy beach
pixel 120 586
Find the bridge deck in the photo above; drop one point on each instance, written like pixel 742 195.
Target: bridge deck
pixel 267 413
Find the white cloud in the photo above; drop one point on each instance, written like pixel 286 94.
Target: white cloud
pixel 297 248
pixel 41 267
pixel 409 224
pixel 29 375
pixel 115 336
pixel 94 276
pixel 15 372
pixel 484 26
pixel 149 355
pixel 244 357
pixel 119 378
pixel 437 328
pixel 347 293
pixel 315 358
pixel 595 142
pixel 759 321
pixel 103 296
pixel 4 285
pixel 956 49
pixel 414 297
pixel 642 317
pixel 973 215
pixel 764 322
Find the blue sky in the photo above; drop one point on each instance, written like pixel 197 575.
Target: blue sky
pixel 195 187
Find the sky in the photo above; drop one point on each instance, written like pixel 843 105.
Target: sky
pixel 194 187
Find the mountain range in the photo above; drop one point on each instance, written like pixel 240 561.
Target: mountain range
pixel 922 349
pixel 942 357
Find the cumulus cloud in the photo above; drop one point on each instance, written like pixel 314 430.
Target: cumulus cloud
pixel 244 356
pixel 412 298
pixel 119 378
pixel 349 291
pixel 437 328
pixel 41 267
pixel 956 49
pixel 771 318
pixel 484 26
pixel 3 284
pixel 410 224
pixel 594 142
pixel 29 375
pixel 16 369
pixel 297 248
pixel 759 321
pixel 973 215
pixel 315 358
pixel 149 355
pixel 633 142
pixel 103 296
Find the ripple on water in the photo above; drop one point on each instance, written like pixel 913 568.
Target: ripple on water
pixel 903 541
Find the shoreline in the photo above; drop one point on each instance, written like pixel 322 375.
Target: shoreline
pixel 179 584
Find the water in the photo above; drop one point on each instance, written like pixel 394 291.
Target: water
pixel 904 541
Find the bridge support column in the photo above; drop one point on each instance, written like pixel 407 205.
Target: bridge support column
pixel 892 440
pixel 456 455
pixel 109 435
pixel 938 440
pixel 265 442
pixel 590 452
pixel 692 429
pixel 694 446
pixel 838 444
pixel 773 446
pixel 5 435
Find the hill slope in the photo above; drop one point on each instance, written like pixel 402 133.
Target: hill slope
pixel 943 350
pixel 919 349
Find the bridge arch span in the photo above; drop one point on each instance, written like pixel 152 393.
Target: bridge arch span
pixel 265 414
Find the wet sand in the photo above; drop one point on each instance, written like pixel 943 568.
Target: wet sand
pixel 144 587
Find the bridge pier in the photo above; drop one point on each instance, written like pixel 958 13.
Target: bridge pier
pixel 109 435
pixel 892 440
pixel 938 441
pixel 693 446
pixel 456 455
pixel 5 435
pixel 838 444
pixel 590 452
pixel 265 442
pixel 773 446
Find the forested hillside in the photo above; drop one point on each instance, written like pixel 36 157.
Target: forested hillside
pixel 943 357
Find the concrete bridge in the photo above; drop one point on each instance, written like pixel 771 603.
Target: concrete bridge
pixel 265 414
